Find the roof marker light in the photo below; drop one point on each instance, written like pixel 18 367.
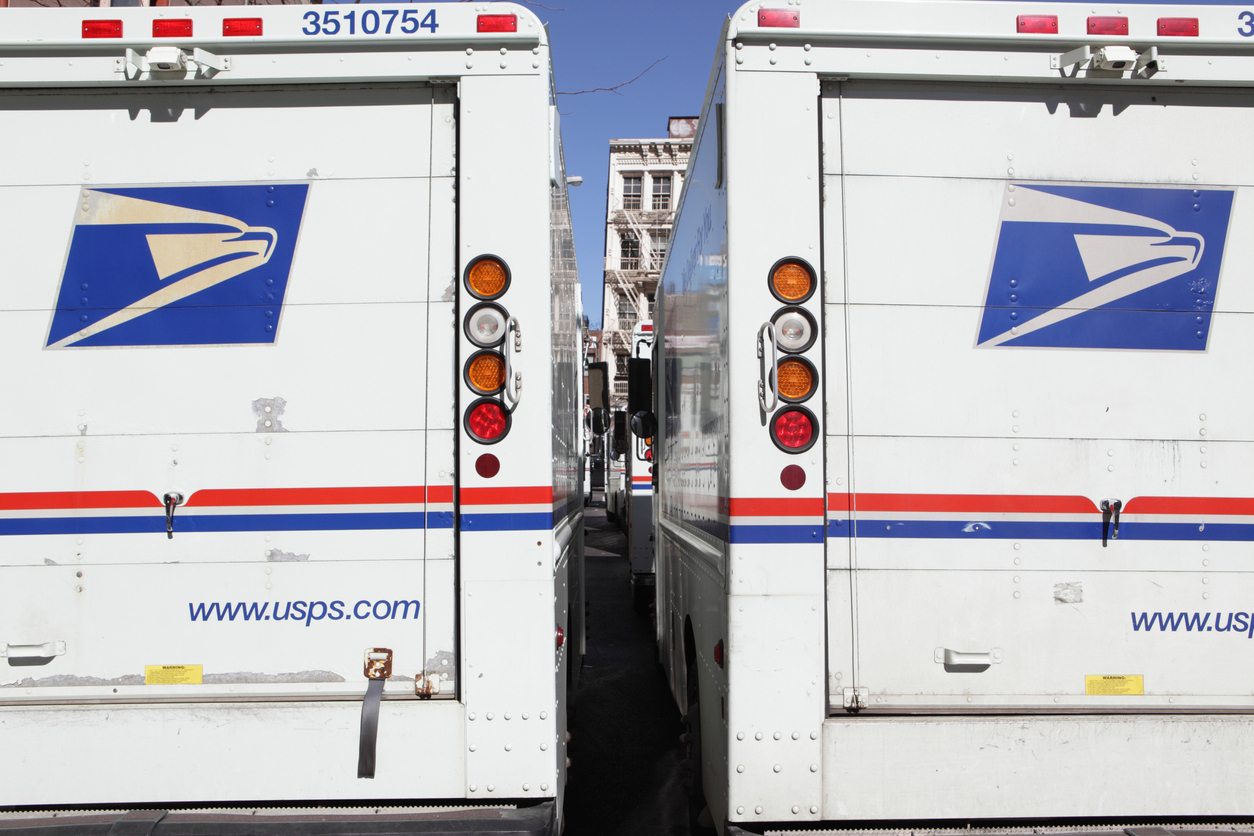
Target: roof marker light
pixel 1108 26
pixel 1181 27
pixel 779 18
pixel 497 23
pixel 240 27
pixel 163 28
pixel 102 28
pixel 1038 24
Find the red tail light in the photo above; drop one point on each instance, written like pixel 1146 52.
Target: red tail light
pixel 1180 27
pixel 171 28
pixel 561 637
pixel 241 26
pixel 1038 24
pixel 779 18
pixel 487 420
pixel 497 23
pixel 793 430
pixel 1108 26
pixel 102 28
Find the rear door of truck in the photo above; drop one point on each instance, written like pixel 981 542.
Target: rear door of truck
pixel 1043 306
pixel 226 443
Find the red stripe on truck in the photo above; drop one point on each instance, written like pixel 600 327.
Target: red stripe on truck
pixel 235 497
pixel 54 500
pixel 962 503
pixel 1220 505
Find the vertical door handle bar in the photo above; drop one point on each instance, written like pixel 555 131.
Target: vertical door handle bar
pixel 772 374
pixel 513 379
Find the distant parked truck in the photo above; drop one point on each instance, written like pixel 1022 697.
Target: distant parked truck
pixel 956 479
pixel 638 481
pixel 290 495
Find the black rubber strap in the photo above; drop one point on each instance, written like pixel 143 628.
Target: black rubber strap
pixel 369 728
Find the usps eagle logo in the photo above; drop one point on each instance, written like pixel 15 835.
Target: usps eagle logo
pixel 177 265
pixel 1105 267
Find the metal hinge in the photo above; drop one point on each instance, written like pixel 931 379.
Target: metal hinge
pixel 856 699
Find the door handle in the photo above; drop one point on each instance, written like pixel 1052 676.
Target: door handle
pixel 1110 513
pixel 964 661
pixel 769 371
pixel 32 654
pixel 512 393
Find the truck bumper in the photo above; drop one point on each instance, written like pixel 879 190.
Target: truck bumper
pixel 535 820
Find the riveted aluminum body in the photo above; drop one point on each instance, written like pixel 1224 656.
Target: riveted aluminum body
pixel 1019 515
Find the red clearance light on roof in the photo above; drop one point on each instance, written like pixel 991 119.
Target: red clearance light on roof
pixel 102 28
pixel 498 23
pixel 171 28
pixel 1108 26
pixel 241 26
pixel 785 18
pixel 1038 24
pixel 1182 27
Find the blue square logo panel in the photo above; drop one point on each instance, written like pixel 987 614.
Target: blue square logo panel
pixel 177 265
pixel 1105 267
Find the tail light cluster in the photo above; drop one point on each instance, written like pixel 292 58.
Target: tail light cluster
pixel 793 428
pixel 487 419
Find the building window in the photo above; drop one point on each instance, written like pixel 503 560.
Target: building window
pixel 661 193
pixel 628 251
pixel 626 312
pixel 620 366
pixel 657 245
pixel 631 192
pixel 650 308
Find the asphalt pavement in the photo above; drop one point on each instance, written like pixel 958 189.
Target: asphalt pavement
pixel 626 774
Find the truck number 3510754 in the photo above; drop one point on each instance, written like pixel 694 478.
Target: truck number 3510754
pixel 334 22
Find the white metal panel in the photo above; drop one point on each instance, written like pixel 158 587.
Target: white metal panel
pixel 313 621
pixel 1038 129
pixel 337 384
pixel 964 454
pixel 1014 393
pixel 295 143
pixel 291 751
pixel 1011 767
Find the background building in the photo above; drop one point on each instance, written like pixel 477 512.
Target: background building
pixel 645 179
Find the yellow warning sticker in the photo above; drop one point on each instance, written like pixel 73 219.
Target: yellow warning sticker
pixel 1114 686
pixel 173 674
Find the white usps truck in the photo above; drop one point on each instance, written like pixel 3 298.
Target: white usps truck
pixel 956 499
pixel 290 505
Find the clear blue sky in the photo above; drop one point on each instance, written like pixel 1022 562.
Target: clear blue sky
pixel 599 43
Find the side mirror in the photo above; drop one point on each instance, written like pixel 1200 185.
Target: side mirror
pixel 600 421
pixel 644 424
pixel 598 391
pixel 639 385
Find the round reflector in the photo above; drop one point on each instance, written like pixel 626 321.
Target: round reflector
pixel 794 329
pixel 795 379
pixel 487 420
pixel 792 430
pixel 487 277
pixel 485 372
pixel 485 325
pixel 792 280
pixel 487 465
pixel 792 477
